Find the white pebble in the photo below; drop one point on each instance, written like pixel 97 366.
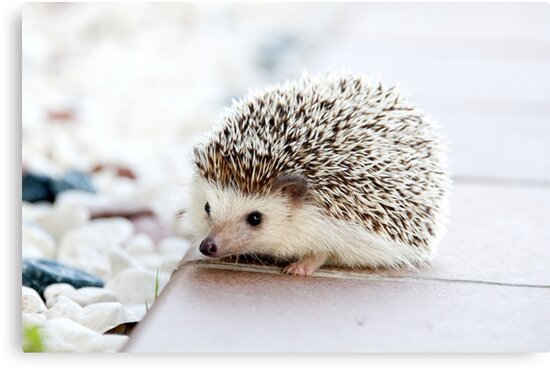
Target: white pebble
pixel 173 245
pixel 31 251
pixel 162 263
pixel 65 335
pixel 133 286
pixel 63 307
pixel 121 260
pixel 32 211
pixel 80 198
pixel 170 263
pixel 99 317
pixel 83 296
pixel 151 261
pixel 137 310
pixel 85 248
pixel 33 319
pixel 51 292
pixel 34 237
pixel 31 302
pixel 63 218
pixel 115 230
pixel 91 295
pixel 110 184
pixel 139 244
pixel 88 247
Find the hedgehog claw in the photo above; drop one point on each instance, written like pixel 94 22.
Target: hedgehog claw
pixel 305 266
pixel 298 269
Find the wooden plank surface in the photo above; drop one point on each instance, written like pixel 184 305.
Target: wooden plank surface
pixel 218 310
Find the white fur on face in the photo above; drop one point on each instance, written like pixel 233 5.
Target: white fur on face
pixel 227 222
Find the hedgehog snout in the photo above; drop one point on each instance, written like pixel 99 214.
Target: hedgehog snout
pixel 208 247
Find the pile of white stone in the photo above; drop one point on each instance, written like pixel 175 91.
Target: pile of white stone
pixel 131 264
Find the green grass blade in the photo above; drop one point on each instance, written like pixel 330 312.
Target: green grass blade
pixel 32 340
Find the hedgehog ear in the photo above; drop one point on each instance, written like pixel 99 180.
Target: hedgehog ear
pixel 294 186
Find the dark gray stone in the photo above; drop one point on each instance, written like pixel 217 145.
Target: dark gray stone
pixel 72 180
pixel 38 273
pixel 37 188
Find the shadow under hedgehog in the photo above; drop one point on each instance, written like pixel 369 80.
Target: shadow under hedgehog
pixel 332 169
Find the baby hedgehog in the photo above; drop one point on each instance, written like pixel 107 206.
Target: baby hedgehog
pixel 323 170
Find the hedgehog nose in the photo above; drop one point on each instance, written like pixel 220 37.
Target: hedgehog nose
pixel 208 247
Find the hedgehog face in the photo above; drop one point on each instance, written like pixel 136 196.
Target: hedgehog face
pixel 226 222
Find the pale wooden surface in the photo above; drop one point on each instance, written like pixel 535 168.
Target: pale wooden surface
pixel 483 71
pixel 218 310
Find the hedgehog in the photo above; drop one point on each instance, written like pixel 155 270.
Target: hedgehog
pixel 332 169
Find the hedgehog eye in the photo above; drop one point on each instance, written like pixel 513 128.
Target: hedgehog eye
pixel 207 208
pixel 254 218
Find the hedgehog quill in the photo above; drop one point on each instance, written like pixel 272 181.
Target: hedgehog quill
pixel 333 169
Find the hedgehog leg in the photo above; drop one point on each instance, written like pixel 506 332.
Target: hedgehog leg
pixel 305 266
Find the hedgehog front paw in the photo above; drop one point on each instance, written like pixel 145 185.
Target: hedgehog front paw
pixel 299 269
pixel 305 266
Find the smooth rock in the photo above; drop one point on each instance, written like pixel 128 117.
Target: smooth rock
pixel 150 225
pixel 158 262
pixel 133 286
pixel 92 295
pixel 40 273
pixel 52 291
pixel 64 307
pixel 63 218
pixel 31 302
pixel 33 319
pixel 170 263
pixel 118 187
pixel 87 248
pixel 31 251
pixel 173 245
pixel 36 187
pixel 83 199
pixel 138 310
pixel 115 230
pixel 139 244
pixel 72 180
pixel 65 335
pixel 121 260
pixel 83 296
pixel 39 187
pixel 34 236
pixel 32 211
pixel 99 317
pixel 151 261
